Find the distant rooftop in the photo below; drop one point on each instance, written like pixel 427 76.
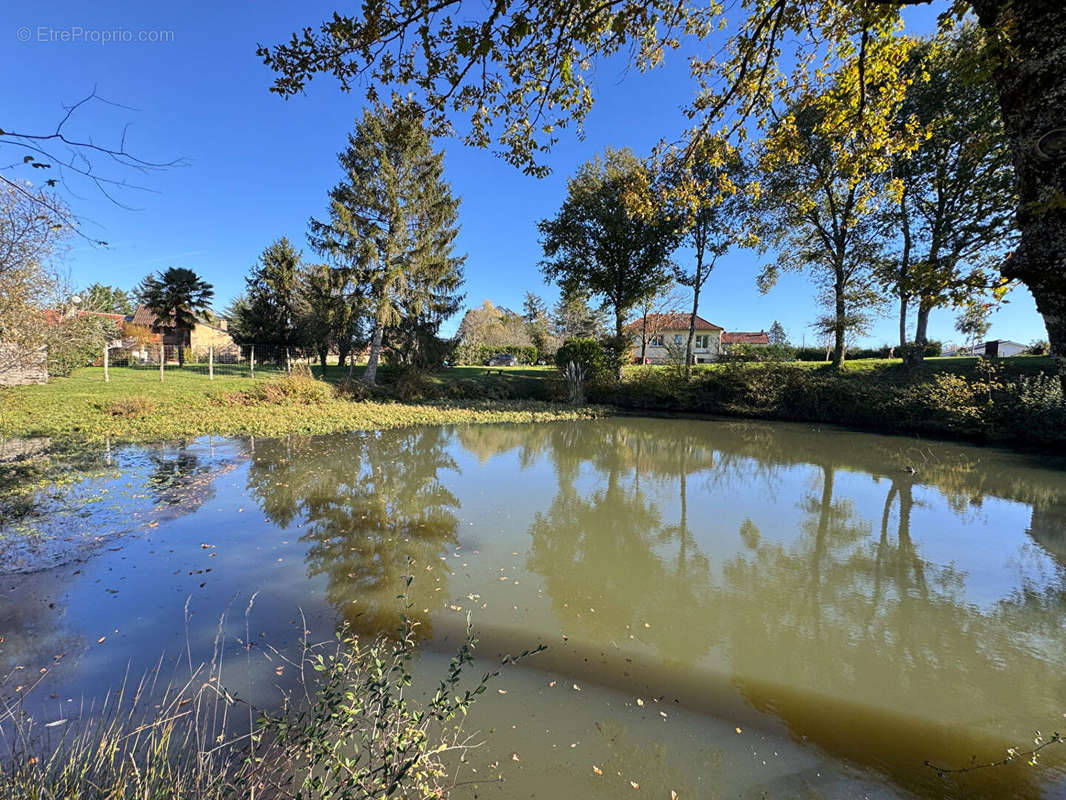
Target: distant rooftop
pixel 672 322
pixel 740 337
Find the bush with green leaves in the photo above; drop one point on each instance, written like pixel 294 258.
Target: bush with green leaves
pixel 759 352
pixel 587 354
pixel 78 341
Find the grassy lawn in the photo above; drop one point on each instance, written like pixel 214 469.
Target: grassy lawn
pixel 136 406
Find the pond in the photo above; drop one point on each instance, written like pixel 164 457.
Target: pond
pixel 730 609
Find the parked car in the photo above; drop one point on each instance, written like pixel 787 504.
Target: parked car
pixel 502 360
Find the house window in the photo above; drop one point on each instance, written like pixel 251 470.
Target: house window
pixel 656 341
pixel 677 338
pixel 702 341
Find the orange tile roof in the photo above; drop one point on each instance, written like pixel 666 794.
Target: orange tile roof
pixel 738 337
pixel 672 322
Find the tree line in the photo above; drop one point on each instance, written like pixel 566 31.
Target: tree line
pixel 806 86
pixel 919 211
pixel 390 275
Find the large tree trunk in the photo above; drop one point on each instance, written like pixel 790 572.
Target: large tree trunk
pixel 619 321
pixel 904 299
pixel 904 269
pixel 839 330
pixel 1029 43
pixel 322 353
pixel 690 355
pixel 916 357
pixel 370 377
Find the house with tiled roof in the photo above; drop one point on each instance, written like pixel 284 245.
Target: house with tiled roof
pixel 209 331
pixel 658 337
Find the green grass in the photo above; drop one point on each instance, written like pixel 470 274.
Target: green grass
pixel 135 406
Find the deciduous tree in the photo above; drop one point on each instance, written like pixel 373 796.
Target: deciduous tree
pixel 598 246
pixel 705 194
pixel 824 184
pixel 955 208
pixel 973 323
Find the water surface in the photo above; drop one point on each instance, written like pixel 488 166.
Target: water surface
pixel 802 611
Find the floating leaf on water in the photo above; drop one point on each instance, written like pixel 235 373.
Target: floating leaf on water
pixel 597 770
pixel 634 784
pixel 55 724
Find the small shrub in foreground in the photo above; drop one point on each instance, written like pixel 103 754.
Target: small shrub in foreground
pixel 136 405
pixel 299 388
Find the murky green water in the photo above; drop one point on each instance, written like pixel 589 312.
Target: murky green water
pixel 802 612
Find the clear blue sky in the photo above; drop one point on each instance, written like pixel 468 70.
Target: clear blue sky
pixel 258 166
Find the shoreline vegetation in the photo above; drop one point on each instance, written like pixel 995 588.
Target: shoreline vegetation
pixel 1008 402
pixel 136 407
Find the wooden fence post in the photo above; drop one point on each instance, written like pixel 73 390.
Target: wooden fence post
pixel 162 359
pixel 107 375
pixel 251 361
pixel 211 363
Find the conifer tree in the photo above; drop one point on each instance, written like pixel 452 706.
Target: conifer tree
pixel 392 224
pixel 272 305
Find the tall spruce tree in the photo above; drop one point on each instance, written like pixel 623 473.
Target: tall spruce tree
pixel 435 273
pixel 272 308
pixel 392 224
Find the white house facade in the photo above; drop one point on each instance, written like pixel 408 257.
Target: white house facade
pixel 661 339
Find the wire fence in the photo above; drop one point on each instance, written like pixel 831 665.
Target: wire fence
pixel 227 360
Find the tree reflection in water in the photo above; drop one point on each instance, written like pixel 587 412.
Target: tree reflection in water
pixel 372 508
pixel 843 630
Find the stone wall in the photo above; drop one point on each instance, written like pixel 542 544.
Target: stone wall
pixel 20 366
